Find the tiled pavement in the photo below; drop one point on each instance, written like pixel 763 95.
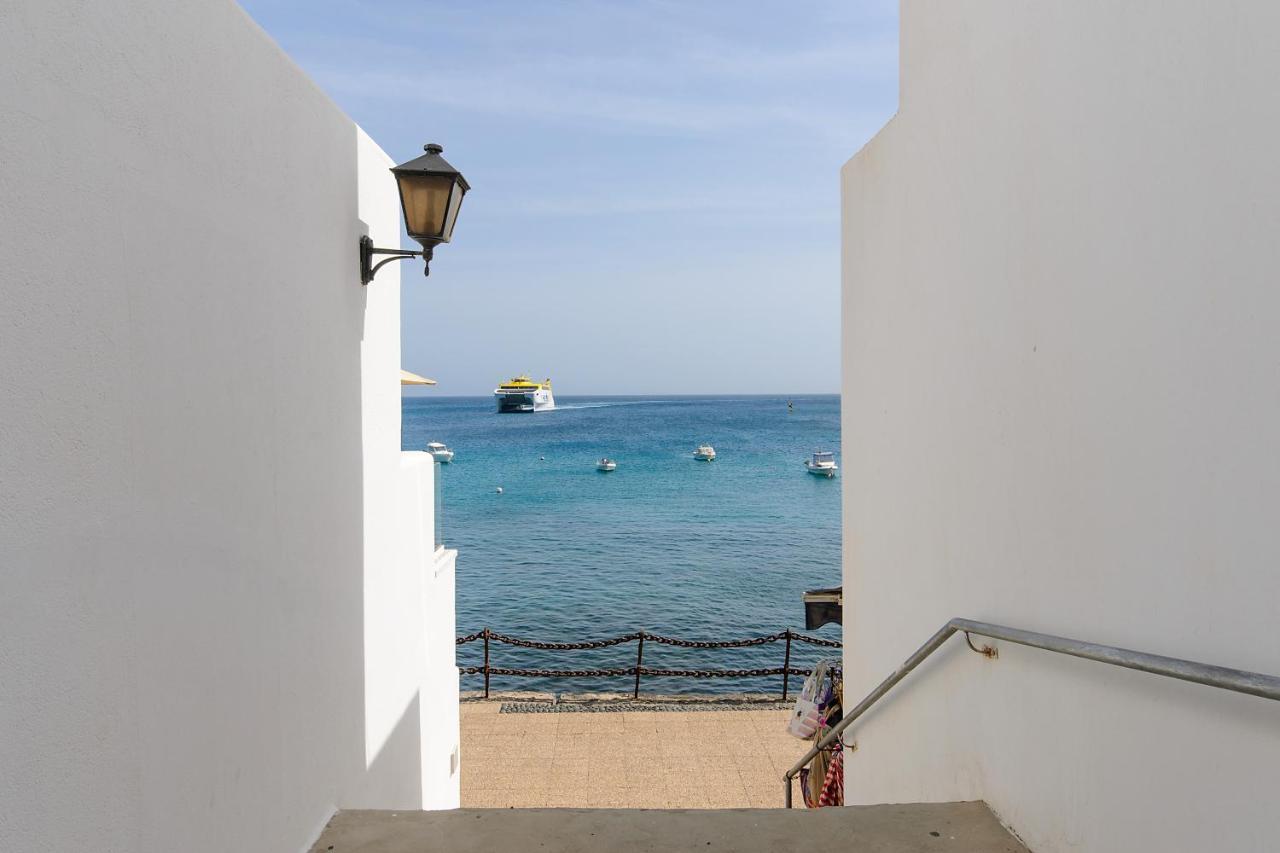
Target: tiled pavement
pixel 633 759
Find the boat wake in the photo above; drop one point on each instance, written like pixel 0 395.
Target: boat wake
pixel 561 407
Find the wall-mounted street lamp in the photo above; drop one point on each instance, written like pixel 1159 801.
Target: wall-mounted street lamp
pixel 431 192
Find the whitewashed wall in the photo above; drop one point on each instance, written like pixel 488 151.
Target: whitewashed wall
pixel 1060 413
pixel 411 674
pixel 200 474
pixel 411 684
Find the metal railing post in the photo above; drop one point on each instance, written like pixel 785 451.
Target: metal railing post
pixel 639 661
pixel 786 668
pixel 486 663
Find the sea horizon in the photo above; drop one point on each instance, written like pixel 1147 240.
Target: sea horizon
pixel 409 392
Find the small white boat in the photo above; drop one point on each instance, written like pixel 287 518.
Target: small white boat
pixel 440 452
pixel 705 453
pixel 822 464
pixel 606 464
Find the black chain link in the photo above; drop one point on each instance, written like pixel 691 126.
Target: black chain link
pixel 549 673
pixel 818 641
pixel 587 644
pixel 631 670
pixel 657 638
pixel 720 673
pixel 711 644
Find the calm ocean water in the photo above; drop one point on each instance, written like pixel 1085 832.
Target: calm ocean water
pixel 719 550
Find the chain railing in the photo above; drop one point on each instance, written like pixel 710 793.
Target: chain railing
pixel 640 638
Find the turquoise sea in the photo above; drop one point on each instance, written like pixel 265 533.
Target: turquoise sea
pixel 719 550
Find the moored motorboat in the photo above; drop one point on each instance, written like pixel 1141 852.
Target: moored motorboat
pixel 705 453
pixel 606 464
pixel 823 464
pixel 439 451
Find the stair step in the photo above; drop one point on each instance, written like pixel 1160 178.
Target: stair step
pixel 905 828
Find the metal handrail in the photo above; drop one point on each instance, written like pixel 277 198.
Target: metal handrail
pixel 1237 680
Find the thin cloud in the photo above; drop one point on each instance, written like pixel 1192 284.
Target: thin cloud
pixel 504 96
pixel 653 65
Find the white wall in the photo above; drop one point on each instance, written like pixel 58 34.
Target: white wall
pixel 411 674
pixel 411 686
pixel 1060 413
pixel 200 476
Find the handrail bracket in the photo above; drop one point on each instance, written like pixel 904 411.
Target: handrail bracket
pixel 986 651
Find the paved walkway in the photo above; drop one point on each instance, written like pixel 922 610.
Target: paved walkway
pixel 625 759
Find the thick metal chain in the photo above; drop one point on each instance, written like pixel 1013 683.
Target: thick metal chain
pixel 548 673
pixel 657 638
pixel 588 644
pixel 818 641
pixel 722 673
pixel 631 670
pixel 711 644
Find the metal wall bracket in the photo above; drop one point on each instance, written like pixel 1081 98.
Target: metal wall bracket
pixel 986 651
pixel 368 269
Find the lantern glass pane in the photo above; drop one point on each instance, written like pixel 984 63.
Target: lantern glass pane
pixel 426 200
pixel 451 215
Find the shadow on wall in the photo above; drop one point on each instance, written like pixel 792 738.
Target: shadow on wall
pixel 393 779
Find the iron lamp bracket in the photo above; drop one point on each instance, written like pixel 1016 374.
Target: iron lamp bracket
pixel 368 269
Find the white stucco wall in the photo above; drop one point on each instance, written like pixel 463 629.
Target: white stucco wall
pixel 411 674
pixel 410 685
pixel 201 484
pixel 1060 410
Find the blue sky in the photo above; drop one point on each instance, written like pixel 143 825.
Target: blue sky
pixel 655 204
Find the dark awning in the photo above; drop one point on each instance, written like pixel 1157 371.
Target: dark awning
pixel 822 606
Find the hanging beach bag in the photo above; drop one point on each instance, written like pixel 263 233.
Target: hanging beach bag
pixel 804 716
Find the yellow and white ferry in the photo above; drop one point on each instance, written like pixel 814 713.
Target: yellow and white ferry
pixel 522 394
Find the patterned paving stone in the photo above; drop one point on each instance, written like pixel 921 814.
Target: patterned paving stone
pixel 625 754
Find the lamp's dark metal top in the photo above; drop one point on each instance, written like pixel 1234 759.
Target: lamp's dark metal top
pixel 432 163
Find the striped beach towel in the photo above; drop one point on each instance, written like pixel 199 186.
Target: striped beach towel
pixel 833 785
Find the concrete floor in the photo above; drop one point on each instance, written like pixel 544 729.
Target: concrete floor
pixel 917 828
pixel 634 759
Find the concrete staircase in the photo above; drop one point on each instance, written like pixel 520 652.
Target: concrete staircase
pixel 909 828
